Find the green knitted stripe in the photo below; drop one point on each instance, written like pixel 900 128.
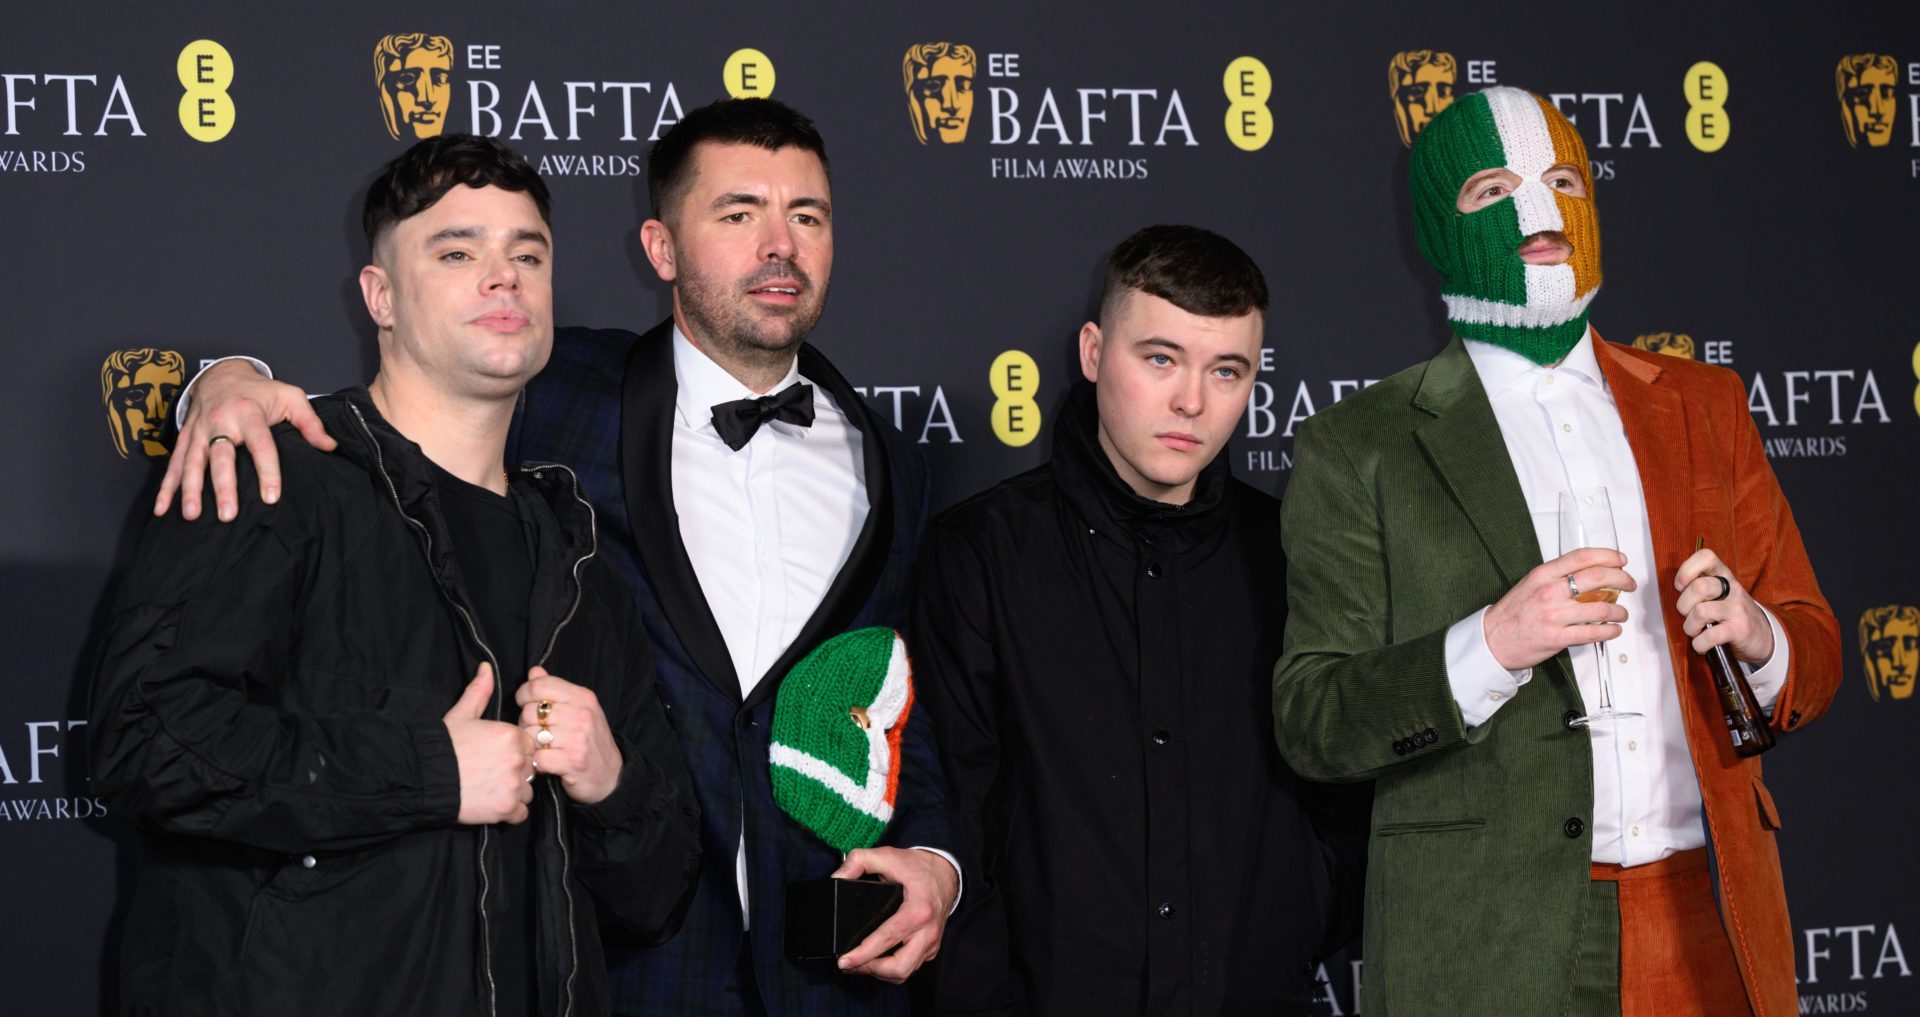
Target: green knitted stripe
pixel 849 668
pixel 807 799
pixel 1540 345
pixel 1486 255
pixel 1461 141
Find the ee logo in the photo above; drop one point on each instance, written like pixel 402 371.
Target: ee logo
pixel 206 72
pixel 1015 379
pixel 748 74
pixel 1916 375
pixel 1248 86
pixel 1707 122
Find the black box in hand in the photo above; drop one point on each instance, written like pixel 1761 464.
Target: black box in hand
pixel 828 917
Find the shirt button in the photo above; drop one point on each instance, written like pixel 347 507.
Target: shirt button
pixel 1631 746
pixel 1574 827
pixel 307 861
pixel 1635 831
pixel 1495 696
pixel 1549 379
pixel 1623 658
pixel 1165 911
pixel 1153 571
pixel 1161 737
pixel 1568 428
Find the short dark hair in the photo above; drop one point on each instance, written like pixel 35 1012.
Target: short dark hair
pixel 1196 270
pixel 423 174
pixel 767 123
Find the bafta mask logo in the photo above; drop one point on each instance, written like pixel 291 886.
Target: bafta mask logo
pixel 414 74
pixel 1422 83
pixel 939 83
pixel 1672 344
pixel 1864 83
pixel 1890 650
pixel 138 388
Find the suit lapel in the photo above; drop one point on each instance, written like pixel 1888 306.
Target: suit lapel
pixel 1463 443
pixel 854 583
pixel 646 453
pixel 1654 417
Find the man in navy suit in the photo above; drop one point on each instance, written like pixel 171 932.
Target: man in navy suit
pixel 757 507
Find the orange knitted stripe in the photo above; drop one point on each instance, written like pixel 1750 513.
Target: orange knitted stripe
pixel 1582 225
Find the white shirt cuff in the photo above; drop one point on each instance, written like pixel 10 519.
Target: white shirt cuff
pixel 959 878
pixel 181 401
pixel 1769 678
pixel 1480 685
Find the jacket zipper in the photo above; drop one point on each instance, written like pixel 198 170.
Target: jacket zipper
pixel 559 813
pixel 486 929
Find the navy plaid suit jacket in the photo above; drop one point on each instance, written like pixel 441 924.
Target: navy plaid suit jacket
pixel 604 405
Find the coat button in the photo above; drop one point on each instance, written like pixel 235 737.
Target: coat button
pixel 1165 911
pixel 1429 736
pixel 1399 747
pixel 307 862
pixel 1153 570
pixel 1568 718
pixel 1574 827
pixel 1160 736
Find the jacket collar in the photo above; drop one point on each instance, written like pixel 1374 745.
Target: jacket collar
pixel 1088 481
pixel 649 402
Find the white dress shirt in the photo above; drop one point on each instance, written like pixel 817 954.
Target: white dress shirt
pixel 1562 431
pixel 767 527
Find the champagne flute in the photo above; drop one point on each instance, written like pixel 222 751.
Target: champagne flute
pixel 1586 520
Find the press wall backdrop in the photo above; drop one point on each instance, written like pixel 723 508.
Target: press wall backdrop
pixel 179 183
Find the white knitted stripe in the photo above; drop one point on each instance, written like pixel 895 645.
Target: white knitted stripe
pixel 1549 285
pixel 885 712
pixel 1490 312
pixel 1523 134
pixel 870 798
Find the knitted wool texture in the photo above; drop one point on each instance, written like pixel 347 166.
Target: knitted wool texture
pixel 832 775
pixel 1539 311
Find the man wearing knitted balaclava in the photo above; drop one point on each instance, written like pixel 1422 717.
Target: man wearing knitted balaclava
pixel 1504 566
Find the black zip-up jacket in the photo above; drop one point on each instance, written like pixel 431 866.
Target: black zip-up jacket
pixel 269 709
pixel 1098 667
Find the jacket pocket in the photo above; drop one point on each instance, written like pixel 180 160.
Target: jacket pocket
pixel 1769 815
pixel 1435 826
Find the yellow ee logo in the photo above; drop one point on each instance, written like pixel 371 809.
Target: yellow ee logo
pixel 1707 122
pixel 748 74
pixel 206 71
pixel 1015 378
pixel 1248 87
pixel 1916 375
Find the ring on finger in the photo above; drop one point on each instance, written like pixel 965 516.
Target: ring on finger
pixel 1573 588
pixel 543 738
pixel 1726 587
pixel 543 711
pixel 217 439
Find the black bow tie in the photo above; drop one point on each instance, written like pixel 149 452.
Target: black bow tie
pixel 738 420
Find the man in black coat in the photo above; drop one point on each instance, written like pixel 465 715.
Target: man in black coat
pixel 1094 640
pixel 395 747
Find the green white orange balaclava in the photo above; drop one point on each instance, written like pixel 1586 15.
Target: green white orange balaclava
pixel 1538 311
pixel 835 759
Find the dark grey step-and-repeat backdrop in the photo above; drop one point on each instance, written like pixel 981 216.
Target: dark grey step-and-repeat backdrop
pixel 178 185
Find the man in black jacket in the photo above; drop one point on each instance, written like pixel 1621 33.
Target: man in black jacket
pixel 333 819
pixel 1094 639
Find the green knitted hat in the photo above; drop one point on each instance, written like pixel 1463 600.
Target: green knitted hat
pixel 1539 311
pixel 835 759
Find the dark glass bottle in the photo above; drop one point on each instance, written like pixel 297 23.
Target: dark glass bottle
pixel 1746 725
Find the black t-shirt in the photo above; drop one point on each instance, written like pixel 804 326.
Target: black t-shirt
pixel 493 551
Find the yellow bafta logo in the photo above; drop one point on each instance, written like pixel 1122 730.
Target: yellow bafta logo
pixel 1672 344
pixel 138 388
pixel 938 77
pixel 1422 82
pixel 414 75
pixel 1864 84
pixel 1890 650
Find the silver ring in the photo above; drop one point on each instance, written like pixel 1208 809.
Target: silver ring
pixel 1573 588
pixel 529 778
pixel 1726 587
pixel 217 439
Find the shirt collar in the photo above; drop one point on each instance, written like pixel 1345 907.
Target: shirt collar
pixel 700 384
pixel 1501 368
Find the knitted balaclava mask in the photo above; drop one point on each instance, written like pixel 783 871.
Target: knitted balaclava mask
pixel 835 759
pixel 1538 311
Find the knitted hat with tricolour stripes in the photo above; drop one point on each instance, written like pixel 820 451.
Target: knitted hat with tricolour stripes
pixel 835 759
pixel 1539 311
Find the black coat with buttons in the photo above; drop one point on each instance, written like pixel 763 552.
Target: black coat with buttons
pixel 1097 666
pixel 269 711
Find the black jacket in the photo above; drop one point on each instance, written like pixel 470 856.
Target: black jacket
pixel 1098 666
pixel 269 709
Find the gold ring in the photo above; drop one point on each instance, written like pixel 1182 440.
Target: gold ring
pixel 217 439
pixel 543 711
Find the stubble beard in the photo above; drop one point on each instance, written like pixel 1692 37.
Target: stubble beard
pixel 713 308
